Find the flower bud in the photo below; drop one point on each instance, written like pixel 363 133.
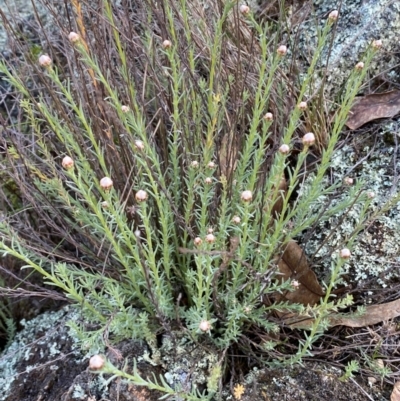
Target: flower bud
pixel 73 37
pixel 208 180
pixel 67 163
pixel 194 164
pixel 106 183
pixel 302 106
pixel 124 109
pixel 348 181
pixel 333 15
pixel 377 44
pixel 308 139
pixel 139 145
pixel 268 117
pixel 205 325
pixel 210 238
pixel 246 196
pixel 197 241
pixel 282 50
pixel 236 219
pixel 104 205
pixel 167 44
pixel 345 253
pixel 284 149
pixel 295 284
pixel 211 165
pixel 141 195
pixel 244 9
pixel 97 362
pixel 45 60
pixel 210 230
pixel 359 66
pixel 371 195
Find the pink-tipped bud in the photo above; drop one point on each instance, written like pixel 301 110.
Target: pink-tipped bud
pixel 268 117
pixel 281 50
pixel 141 195
pixel 194 164
pixel 244 9
pixel 308 139
pixel 246 196
pixel 284 149
pixel 106 183
pixel 295 284
pixel 45 60
pixel 377 44
pixel 371 195
pixel 345 253
pixel 359 66
pixel 97 362
pixel 139 145
pixel 236 220
pixel 208 180
pixel 73 37
pixel 205 325
pixel 197 241
pixel 210 238
pixel 166 44
pixel 302 106
pixel 211 165
pixel 67 163
pixel 348 181
pixel 124 108
pixel 333 15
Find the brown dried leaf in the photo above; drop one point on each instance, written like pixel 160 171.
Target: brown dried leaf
pixel 395 396
pixel 293 265
pixel 374 106
pixel 374 314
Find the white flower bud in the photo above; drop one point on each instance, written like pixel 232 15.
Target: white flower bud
pixel 104 205
pixel 205 325
pixel 45 60
pixel 106 183
pixel 124 108
pixel 268 117
pixel 139 145
pixel 282 50
pixel 194 164
pixel 244 9
pixel 197 241
pixel 308 139
pixel 73 37
pixel 377 44
pixel 284 149
pixel 348 181
pixel 211 165
pixel 210 238
pixel 97 362
pixel 167 44
pixel 208 180
pixel 345 253
pixel 67 163
pixel 141 195
pixel 302 106
pixel 359 66
pixel 371 195
pixel 333 15
pixel 236 220
pixel 246 196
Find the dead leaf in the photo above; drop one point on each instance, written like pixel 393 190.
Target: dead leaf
pixel 293 265
pixel 374 106
pixel 373 314
pixel 395 396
